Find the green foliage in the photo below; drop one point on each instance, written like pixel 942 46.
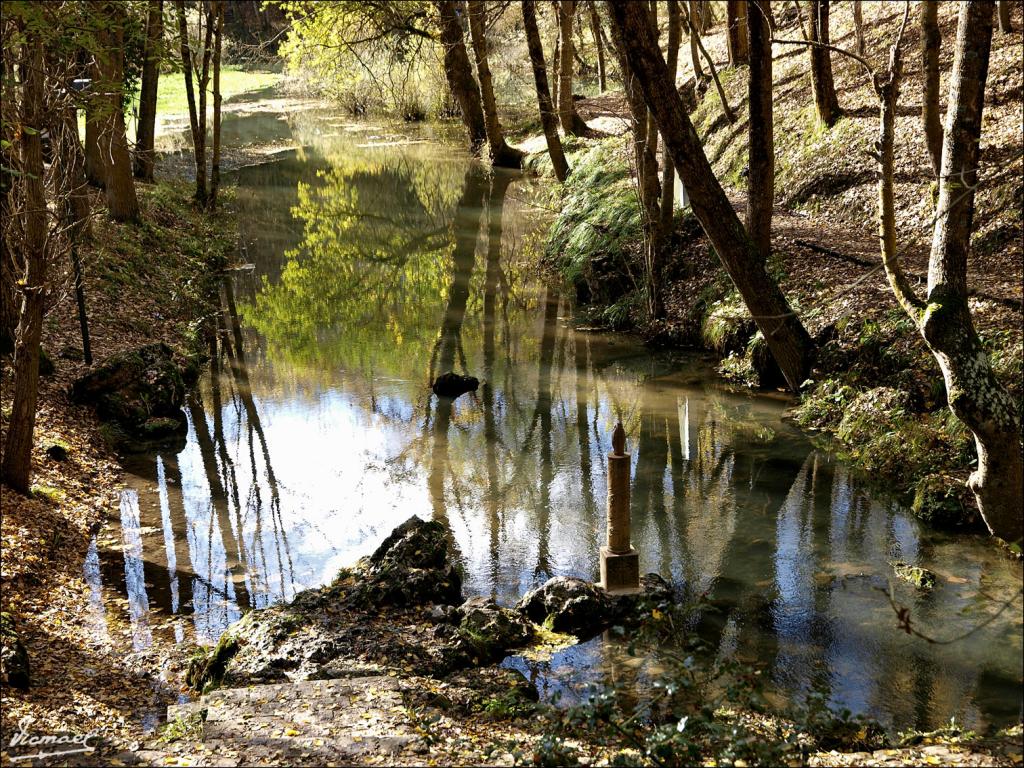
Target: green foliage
pixel 510 704
pixel 738 369
pixel 48 493
pixel 728 326
pixel 183 728
pixel 340 48
pixel 943 501
pixel 600 215
pixel 206 668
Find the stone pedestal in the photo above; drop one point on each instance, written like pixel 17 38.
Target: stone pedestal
pixel 620 572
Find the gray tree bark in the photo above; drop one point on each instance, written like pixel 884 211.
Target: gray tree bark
pixel 974 394
pixel 122 202
pixel 668 170
pixel 570 119
pixel 502 154
pixel 16 467
pixel 145 134
pixel 595 30
pixel 825 100
pixel 761 162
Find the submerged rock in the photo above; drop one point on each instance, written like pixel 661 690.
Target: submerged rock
pixel 14 670
pixel 921 578
pixel 452 385
pixel 142 390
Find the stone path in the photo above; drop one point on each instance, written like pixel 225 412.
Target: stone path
pixel 321 722
pixel 937 754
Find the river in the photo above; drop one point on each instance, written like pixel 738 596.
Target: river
pixel 384 256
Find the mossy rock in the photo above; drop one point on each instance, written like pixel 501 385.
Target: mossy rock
pixel 14 667
pixel 944 501
pixel 920 577
pixel 142 390
pixel 492 631
pixel 207 668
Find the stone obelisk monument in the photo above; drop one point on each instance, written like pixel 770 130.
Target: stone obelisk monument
pixel 620 563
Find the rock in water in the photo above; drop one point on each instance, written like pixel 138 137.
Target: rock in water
pixel 567 604
pixel 142 390
pixel 13 656
pixel 452 385
pixel 577 607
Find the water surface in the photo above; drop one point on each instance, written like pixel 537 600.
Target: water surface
pixel 382 257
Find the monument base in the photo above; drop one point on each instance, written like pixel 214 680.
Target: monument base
pixel 620 573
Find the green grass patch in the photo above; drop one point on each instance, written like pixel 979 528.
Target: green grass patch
pixel 600 215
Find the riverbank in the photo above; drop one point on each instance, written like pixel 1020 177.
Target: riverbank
pixel 144 283
pixel 875 392
pixel 389 665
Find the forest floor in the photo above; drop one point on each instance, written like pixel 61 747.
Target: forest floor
pixel 142 284
pixel 874 377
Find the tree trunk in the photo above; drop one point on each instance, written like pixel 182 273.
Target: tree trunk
pixel 198 139
pixel 146 131
pixel 595 30
pixel 202 186
pixel 668 172
pixel 644 130
pixel 729 114
pixel 556 59
pixel 858 26
pixel 694 32
pixel 786 337
pixel 77 216
pixel 17 459
pixel 975 395
pixel 502 154
pixel 930 40
pixel 705 16
pixel 94 167
pixel 122 203
pixel 1005 25
pixel 736 18
pixel 572 123
pixel 540 76
pixel 460 75
pixel 825 100
pixel 761 178
pixel 218 11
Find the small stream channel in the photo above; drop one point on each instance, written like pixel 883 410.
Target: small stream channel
pixel 381 257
